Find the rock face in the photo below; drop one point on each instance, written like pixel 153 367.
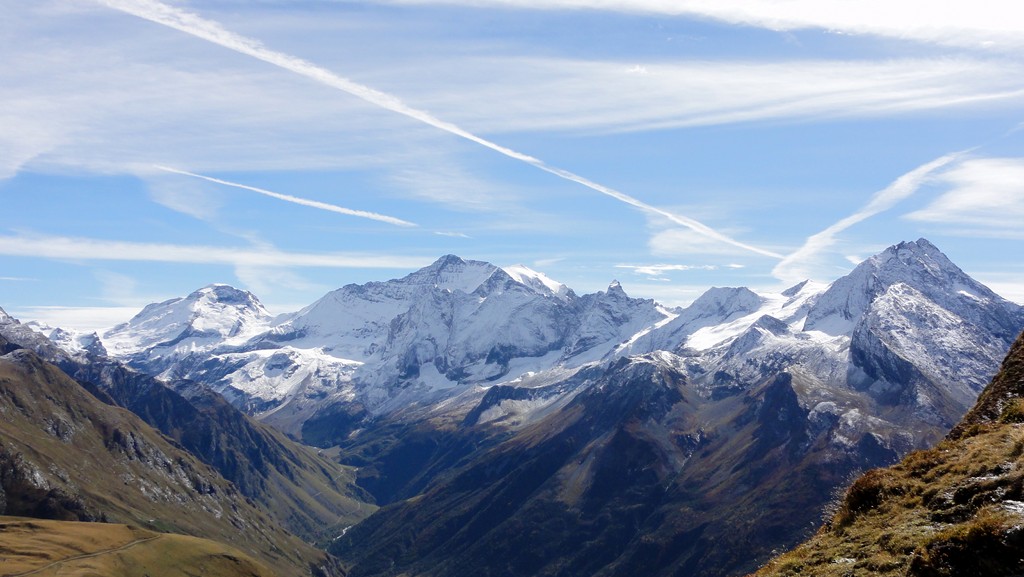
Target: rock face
pixel 955 509
pixel 377 347
pixel 306 493
pixel 512 427
pixel 65 455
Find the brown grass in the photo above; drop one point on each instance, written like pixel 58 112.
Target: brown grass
pixel 70 549
pixel 937 513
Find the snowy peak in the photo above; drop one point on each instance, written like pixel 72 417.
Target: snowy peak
pixel 538 281
pixel 452 273
pixel 720 305
pixel 211 314
pixel 917 264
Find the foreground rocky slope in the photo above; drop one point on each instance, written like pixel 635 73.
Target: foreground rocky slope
pixel 955 509
pixel 64 455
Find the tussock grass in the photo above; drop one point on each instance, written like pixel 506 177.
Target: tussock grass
pixel 952 510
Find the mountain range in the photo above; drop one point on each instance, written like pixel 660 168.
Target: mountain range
pixel 507 425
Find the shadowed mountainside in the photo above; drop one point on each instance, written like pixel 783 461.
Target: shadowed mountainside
pixel 64 455
pixel 956 509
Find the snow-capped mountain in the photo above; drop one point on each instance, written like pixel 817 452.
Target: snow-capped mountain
pixel 212 316
pixel 700 443
pixel 382 344
pixel 671 441
pixel 899 325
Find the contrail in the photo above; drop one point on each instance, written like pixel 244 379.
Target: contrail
pixel 793 266
pixel 211 31
pixel 295 199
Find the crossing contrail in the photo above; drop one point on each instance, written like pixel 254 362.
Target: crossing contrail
pixel 211 31
pixel 295 199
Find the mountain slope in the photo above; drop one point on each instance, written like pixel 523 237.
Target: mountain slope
pixel 307 493
pixel 955 509
pixel 637 473
pixel 375 348
pixel 33 546
pixel 130 473
pixel 452 390
pixel 769 419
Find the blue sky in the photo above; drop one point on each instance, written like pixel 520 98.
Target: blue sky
pixel 149 148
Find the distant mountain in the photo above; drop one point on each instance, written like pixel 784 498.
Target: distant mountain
pixel 513 427
pixel 373 348
pixel 306 493
pixel 765 404
pixel 955 509
pixel 65 455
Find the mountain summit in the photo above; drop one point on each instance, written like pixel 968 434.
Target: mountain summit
pixel 509 425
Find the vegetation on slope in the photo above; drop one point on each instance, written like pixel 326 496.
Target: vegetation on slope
pixel 73 549
pixel 65 455
pixel 955 509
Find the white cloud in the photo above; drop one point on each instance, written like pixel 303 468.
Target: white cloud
pixel 657 270
pixel 803 263
pixel 185 197
pixel 577 95
pixel 675 242
pixel 90 249
pixel 986 198
pixel 211 31
pixel 443 182
pixel 990 24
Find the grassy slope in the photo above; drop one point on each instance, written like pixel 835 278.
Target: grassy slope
pixel 72 549
pixel 955 509
pixel 308 494
pixel 65 455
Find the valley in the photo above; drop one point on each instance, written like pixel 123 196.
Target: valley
pixel 469 417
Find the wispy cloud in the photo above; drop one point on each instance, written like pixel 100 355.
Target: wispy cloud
pixel 295 199
pixel 589 95
pixel 676 242
pixel 91 249
pixel 213 32
pixel 657 270
pixel 980 24
pixel 438 180
pixel 986 198
pixel 452 234
pixel 797 266
pixel 185 197
pixel 86 319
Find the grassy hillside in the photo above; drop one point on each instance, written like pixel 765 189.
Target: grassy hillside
pixel 311 496
pixel 956 509
pixel 64 455
pixel 73 549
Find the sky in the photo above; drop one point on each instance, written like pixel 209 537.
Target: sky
pixel 149 148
